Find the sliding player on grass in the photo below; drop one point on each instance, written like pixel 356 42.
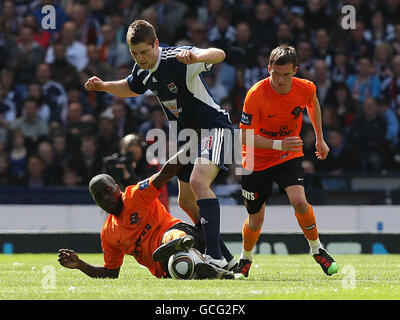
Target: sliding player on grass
pixel 140 226
pixel 272 113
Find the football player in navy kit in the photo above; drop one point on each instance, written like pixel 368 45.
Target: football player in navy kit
pixel 173 74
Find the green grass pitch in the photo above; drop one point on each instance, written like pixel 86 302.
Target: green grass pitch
pixel 272 277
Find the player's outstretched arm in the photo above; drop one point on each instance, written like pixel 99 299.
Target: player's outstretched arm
pixel 118 88
pixel 210 56
pixel 173 165
pixel 69 259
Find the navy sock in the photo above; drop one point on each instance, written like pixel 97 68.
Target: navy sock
pixel 224 250
pixel 210 221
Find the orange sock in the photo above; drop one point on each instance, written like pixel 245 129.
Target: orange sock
pixel 249 236
pixel 308 223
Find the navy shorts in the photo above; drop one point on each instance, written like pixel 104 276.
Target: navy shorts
pixel 215 145
pixel 257 186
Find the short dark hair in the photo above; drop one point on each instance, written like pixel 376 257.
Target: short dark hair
pixel 141 31
pixel 282 55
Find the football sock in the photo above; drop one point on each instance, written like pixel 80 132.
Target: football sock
pixel 308 224
pixel 250 239
pixel 224 250
pixel 210 222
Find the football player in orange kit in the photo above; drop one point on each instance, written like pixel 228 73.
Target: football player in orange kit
pixel 272 120
pixel 138 225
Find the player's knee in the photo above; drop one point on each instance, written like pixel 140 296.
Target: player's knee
pixel 299 204
pixel 198 184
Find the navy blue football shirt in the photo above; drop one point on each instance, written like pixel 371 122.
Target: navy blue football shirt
pixel 181 90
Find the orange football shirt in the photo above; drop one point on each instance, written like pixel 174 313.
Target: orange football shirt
pixel 274 116
pixel 138 230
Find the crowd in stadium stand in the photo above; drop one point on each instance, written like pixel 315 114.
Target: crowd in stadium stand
pixel 54 132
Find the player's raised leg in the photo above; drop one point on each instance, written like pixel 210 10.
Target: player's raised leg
pixel 306 218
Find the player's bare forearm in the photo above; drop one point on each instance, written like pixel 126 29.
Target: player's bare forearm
pixel 69 259
pixel 316 120
pixel 173 165
pixel 256 141
pixel 119 88
pixel 212 56
pixel 97 271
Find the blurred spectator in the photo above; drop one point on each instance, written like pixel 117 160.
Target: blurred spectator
pixel 8 108
pixel 96 67
pixel 365 83
pixel 284 35
pixel 391 86
pixel 305 59
pixel 392 122
pixel 76 53
pixel 54 171
pixel 341 68
pixel 331 119
pixel 379 31
pixel 367 135
pixel 53 93
pixel 157 121
pixel 321 79
pixel 197 36
pixel 218 91
pixel 242 52
pixel 115 53
pixel 76 126
pixel 237 95
pixel 341 158
pixel 263 25
pixel 9 17
pixel 87 27
pixel 316 16
pixel 183 33
pixel 358 45
pixel 170 14
pixel 343 103
pixel 8 46
pixel 28 56
pixel 29 123
pixel 107 140
pixel 36 176
pixel 382 60
pixel 164 34
pixel 7 178
pixel 40 35
pixel 123 122
pixel 323 49
pixel 71 178
pixel 35 91
pixel 12 91
pixel 116 22
pixel 223 34
pixel 259 71
pixel 243 10
pixel 87 162
pixel 59 141
pixel 18 152
pixel 395 43
pixel 62 71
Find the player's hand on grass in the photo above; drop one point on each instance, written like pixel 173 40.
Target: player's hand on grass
pixel 94 83
pixel 322 149
pixel 187 57
pixel 292 144
pixel 68 258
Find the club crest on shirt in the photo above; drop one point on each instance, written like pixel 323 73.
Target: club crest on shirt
pixel 173 88
pixel 296 112
pixel 134 218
